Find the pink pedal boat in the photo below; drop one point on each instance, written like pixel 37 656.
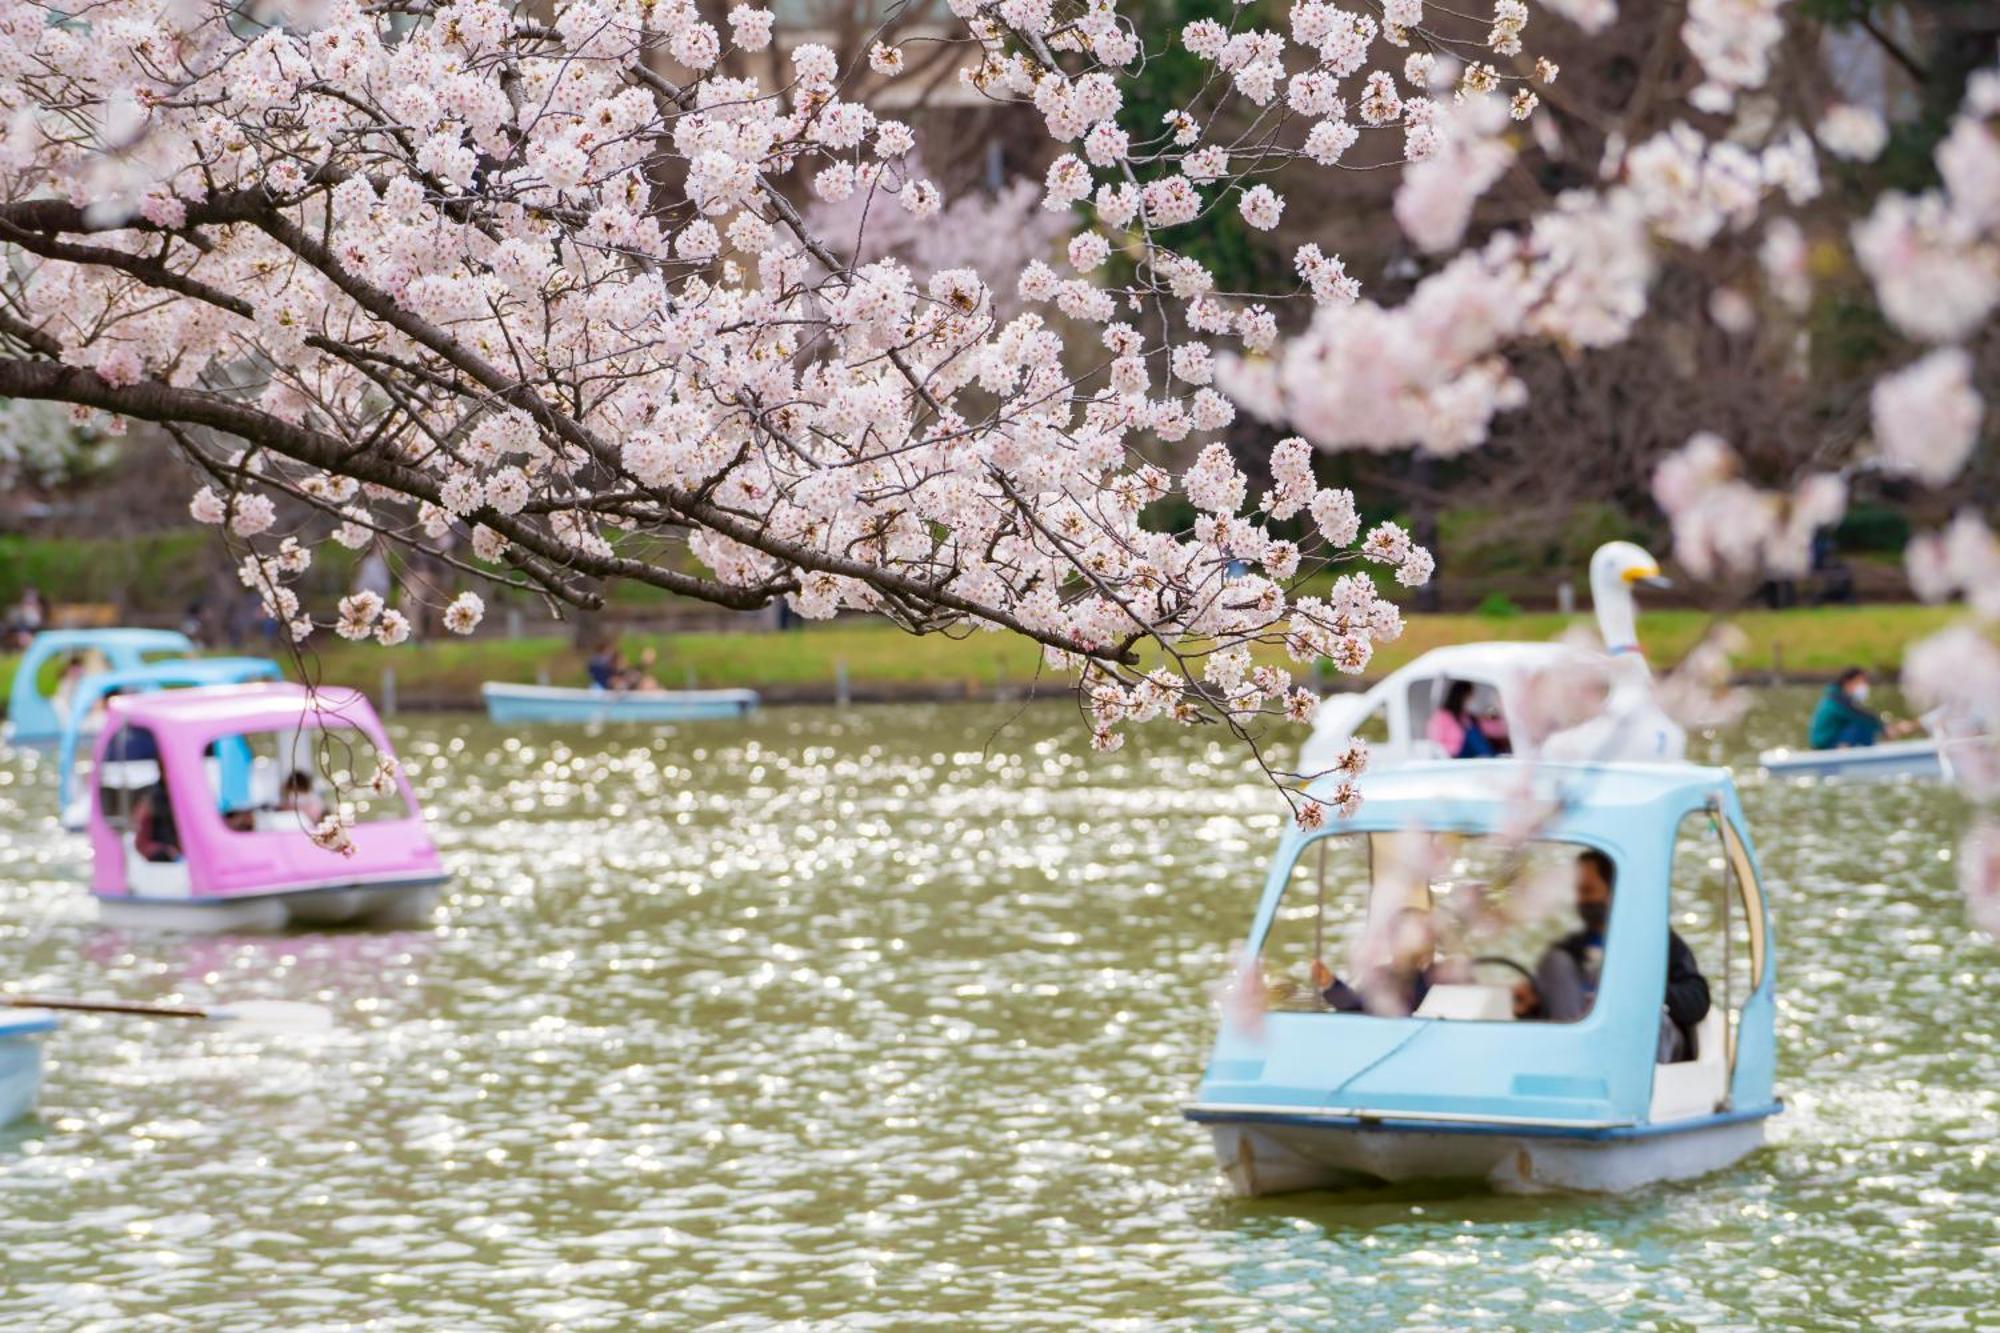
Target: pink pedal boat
pixel 222 838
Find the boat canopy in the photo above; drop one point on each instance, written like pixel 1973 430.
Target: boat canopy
pixel 1392 714
pixel 32 716
pixel 222 786
pixel 186 672
pixel 1474 1064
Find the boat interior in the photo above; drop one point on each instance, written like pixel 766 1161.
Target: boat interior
pixel 1479 918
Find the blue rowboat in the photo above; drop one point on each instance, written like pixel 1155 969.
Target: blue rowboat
pixel 21 1033
pixel 555 703
pixel 1306 1091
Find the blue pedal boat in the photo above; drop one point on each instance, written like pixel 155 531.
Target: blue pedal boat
pixel 21 1033
pixel 82 722
pixel 1309 1098
pixel 555 703
pixel 35 714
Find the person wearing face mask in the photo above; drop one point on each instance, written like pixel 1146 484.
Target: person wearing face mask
pixel 1843 721
pixel 1565 984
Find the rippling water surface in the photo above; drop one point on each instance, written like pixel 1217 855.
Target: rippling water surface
pixel 869 1015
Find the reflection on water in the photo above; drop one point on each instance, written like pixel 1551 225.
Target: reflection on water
pixel 870 1014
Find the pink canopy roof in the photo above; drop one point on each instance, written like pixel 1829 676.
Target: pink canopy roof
pixel 277 706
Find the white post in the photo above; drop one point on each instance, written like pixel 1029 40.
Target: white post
pixel 513 622
pixel 1566 597
pixel 542 673
pixel 841 697
pixel 388 691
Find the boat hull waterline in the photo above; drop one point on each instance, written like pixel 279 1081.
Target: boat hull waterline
pixel 387 906
pixel 1262 1154
pixel 550 703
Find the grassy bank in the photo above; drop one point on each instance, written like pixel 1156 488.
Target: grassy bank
pixel 804 663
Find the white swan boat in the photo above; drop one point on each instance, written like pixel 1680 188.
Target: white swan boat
pixel 1392 716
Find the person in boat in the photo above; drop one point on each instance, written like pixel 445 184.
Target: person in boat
pixel 296 794
pixel 1397 986
pixel 74 669
pixel 610 671
pixel 1566 979
pixel 1843 721
pixel 154 834
pixel 606 667
pixel 1463 734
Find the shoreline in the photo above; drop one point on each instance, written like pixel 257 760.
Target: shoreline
pixel 862 661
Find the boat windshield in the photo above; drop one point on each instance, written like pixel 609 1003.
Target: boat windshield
pixel 1446 925
pixel 292 779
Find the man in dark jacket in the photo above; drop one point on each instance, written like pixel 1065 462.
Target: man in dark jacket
pixel 1565 985
pixel 1842 720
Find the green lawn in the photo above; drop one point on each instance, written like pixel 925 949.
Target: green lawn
pixel 1806 641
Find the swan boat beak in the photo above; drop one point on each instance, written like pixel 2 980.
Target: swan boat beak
pixel 1648 576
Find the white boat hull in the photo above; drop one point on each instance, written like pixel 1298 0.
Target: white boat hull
pixel 387 906
pixel 1259 1158
pixel 1891 759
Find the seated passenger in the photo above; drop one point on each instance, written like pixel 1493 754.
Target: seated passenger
pixel 296 794
pixel 604 667
pixel 154 834
pixel 1461 733
pixel 1842 722
pixel 1565 985
pixel 610 671
pixel 1396 987
pixel 131 744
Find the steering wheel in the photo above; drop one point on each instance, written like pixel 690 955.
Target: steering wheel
pixel 1498 961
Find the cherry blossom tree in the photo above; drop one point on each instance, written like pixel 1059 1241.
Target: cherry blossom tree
pixel 543 277
pixel 585 291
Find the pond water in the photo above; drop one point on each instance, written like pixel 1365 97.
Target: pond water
pixel 861 1016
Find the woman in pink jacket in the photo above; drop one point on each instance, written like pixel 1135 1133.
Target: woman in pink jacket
pixel 1460 734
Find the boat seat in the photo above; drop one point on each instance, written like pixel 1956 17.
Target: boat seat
pixel 1694 1087
pixel 154 879
pixel 1462 1002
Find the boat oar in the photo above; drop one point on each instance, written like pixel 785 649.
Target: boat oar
pixel 288 1014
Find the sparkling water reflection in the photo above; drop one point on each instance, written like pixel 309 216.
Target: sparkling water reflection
pixel 862 1016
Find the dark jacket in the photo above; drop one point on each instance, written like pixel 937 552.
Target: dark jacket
pixel 154 834
pixel 1382 983
pixel 1687 988
pixel 1840 721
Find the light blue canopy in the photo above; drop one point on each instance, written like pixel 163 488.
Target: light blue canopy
pixel 1594 1074
pixel 186 672
pixel 31 715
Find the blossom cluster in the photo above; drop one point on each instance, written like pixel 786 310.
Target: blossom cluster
pixel 585 292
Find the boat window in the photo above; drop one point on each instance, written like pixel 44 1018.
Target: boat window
pixel 131 765
pixel 1374 725
pixel 287 780
pixel 1718 912
pixel 1443 924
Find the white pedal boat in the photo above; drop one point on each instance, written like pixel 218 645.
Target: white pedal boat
pixel 1393 715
